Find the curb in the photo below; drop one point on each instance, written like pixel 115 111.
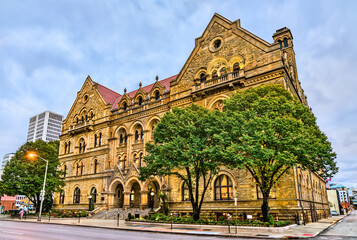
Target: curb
pixel 149 231
pixel 327 228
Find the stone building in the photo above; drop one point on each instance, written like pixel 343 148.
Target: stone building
pixel 104 134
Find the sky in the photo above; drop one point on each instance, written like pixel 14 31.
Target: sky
pixel 48 48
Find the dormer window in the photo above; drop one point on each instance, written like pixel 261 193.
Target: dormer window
pixel 140 101
pixel 125 106
pixel 157 95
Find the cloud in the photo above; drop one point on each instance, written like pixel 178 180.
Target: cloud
pixel 47 49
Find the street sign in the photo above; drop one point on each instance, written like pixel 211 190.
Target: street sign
pixel 249 217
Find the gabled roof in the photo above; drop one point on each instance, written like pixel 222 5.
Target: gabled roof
pixel 109 95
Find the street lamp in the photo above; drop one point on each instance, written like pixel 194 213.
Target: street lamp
pixel 32 155
pixel 152 201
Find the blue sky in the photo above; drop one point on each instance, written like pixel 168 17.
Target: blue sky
pixel 48 48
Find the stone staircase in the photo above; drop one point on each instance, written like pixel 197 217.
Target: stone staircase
pixel 123 214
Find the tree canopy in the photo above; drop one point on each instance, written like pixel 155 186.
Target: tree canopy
pixel 269 132
pixel 22 176
pixel 186 145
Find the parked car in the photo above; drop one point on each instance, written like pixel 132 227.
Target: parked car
pixel 334 213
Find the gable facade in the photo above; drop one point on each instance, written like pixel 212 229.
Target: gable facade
pixel 104 134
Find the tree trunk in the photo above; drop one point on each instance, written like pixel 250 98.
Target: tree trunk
pixel 265 208
pixel 196 214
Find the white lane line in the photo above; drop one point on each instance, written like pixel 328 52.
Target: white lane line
pixel 13 232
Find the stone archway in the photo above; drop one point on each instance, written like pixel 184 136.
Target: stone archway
pixel 153 195
pixel 135 195
pixel 119 196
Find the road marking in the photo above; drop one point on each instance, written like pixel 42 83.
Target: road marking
pixel 13 232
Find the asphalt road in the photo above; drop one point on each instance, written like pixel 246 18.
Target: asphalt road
pixel 10 230
pixel 345 229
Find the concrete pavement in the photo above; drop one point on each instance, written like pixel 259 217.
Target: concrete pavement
pixel 292 231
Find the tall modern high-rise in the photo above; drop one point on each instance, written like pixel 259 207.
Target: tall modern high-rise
pixel 5 159
pixel 46 126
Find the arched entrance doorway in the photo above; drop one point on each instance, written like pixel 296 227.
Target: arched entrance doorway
pixel 153 195
pixel 135 196
pixel 119 196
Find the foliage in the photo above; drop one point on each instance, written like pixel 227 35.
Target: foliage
pixel 164 203
pixel 269 132
pixel 271 219
pixel 186 145
pixel 22 176
pixel 161 218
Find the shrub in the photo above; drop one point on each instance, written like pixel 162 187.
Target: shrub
pixel 271 220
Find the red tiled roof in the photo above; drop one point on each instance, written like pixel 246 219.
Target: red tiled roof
pixel 164 82
pixel 109 95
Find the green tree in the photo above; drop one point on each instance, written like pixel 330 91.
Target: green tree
pixel 185 145
pixel 269 132
pixel 23 176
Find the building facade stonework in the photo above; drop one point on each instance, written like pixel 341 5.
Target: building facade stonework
pixel 104 134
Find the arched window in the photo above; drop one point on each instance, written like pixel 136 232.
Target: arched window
pixel 140 158
pixel 100 139
pixel 121 139
pixel 95 140
pixel 203 77
pixel 65 147
pixel 223 71
pixel 77 196
pixel 280 44
pixel 223 188
pixel 86 117
pixel 61 199
pixel 140 101
pixel 82 146
pixel 93 193
pixel 185 192
pixel 91 115
pixel 122 161
pixel 77 120
pixel 69 146
pixel 77 169
pixel 134 158
pixel 125 106
pixel 142 134
pixel 157 95
pixel 95 166
pixel 285 42
pixel 136 135
pixel 214 74
pixel 82 118
pixel 65 170
pixel 236 67
pixel 81 168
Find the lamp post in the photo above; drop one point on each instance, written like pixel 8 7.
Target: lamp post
pixel 152 201
pixel 33 155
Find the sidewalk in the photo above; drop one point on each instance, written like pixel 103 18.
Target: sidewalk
pixel 292 231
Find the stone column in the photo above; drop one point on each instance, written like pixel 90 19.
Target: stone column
pixel 110 200
pixel 126 204
pixel 144 200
